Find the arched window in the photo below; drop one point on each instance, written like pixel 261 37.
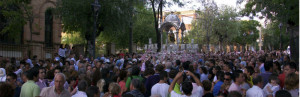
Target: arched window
pixel 48 27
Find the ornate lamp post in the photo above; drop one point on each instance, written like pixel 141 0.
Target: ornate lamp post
pixel 96 12
pixel 280 26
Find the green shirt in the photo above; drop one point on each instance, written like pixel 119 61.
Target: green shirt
pixel 129 80
pixel 30 89
pixel 177 88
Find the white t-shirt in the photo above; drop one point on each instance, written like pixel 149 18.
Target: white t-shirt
pixel 161 89
pixel 203 77
pixel 215 78
pixel 197 94
pixel 80 94
pixel 273 88
pixel 255 91
pixel 62 52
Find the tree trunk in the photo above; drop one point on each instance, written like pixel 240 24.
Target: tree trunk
pixel 130 28
pixel 31 32
pixel 221 45
pixel 243 48
pixel 90 47
pixel 130 37
pixel 156 27
pixel 294 44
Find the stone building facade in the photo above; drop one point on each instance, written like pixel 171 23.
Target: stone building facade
pixel 45 37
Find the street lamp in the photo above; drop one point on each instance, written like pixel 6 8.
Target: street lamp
pixel 96 12
pixel 280 26
pixel 133 10
pixel 244 37
pixel 260 44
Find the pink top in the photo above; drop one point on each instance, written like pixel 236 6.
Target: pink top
pixel 123 86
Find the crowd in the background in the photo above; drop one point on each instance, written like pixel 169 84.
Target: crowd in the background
pixel 164 74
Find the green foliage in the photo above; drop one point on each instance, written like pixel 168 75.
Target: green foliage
pixel 220 25
pixel 225 25
pixel 197 33
pixel 271 36
pixel 74 38
pixel 14 15
pixel 202 27
pixel 77 16
pixel 143 29
pixel 248 32
pixel 113 20
pixel 285 11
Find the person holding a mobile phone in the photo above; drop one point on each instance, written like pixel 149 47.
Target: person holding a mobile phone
pixel 187 86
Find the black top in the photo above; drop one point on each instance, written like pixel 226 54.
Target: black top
pixel 208 95
pixel 17 91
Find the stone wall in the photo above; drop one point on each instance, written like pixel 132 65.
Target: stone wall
pixel 37 43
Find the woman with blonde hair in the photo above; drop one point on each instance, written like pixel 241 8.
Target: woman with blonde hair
pixel 100 85
pixel 113 90
pixel 291 83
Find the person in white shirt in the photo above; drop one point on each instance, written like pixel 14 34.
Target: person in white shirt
pixel 238 79
pixel 57 70
pixel 27 60
pixel 161 88
pixel 168 67
pixel 187 86
pixel 80 59
pixel 82 85
pixel 203 73
pixel 62 51
pixel 272 87
pixel 256 90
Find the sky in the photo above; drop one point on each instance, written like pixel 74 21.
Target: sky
pixel 195 4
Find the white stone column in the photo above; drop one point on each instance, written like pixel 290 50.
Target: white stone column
pixel 177 37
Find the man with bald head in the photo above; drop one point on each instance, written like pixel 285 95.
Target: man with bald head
pixel 58 89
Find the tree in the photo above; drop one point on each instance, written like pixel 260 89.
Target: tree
pixel 272 37
pixel 225 26
pixel 113 18
pixel 197 32
pixel 215 26
pixel 143 27
pixel 14 15
pixel 248 32
pixel 159 4
pixel 203 25
pixel 72 39
pixel 283 11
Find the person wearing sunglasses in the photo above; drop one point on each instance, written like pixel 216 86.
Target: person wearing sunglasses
pixel 227 82
pixel 11 80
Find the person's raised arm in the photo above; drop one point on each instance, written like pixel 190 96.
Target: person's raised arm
pixel 171 87
pixel 194 77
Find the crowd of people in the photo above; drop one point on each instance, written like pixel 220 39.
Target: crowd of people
pixel 164 74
